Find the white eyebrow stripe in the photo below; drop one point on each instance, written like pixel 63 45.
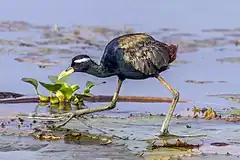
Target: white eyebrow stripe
pixel 82 60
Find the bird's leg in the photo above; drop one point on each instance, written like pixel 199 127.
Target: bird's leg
pixel 165 125
pixel 98 109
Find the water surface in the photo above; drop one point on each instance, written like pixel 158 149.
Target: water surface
pixel 143 16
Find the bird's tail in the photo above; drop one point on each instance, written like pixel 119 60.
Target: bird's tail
pixel 173 52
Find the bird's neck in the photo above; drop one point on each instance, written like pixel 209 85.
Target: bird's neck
pixel 99 70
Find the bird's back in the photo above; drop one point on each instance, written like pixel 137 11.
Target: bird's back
pixel 139 51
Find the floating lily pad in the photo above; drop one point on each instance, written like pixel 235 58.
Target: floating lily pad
pixel 86 139
pixel 203 82
pixel 177 62
pixel 46 137
pixel 234 60
pixel 234 118
pixel 231 97
pixel 37 60
pixel 222 30
pixel 71 137
pixel 177 145
pixel 198 82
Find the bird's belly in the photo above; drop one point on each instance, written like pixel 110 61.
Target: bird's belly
pixel 127 71
pixel 131 73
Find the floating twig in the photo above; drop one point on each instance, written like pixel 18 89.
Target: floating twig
pixel 101 98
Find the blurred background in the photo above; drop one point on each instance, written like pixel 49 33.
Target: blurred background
pixel 39 38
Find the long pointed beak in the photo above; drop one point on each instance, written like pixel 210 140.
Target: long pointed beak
pixel 68 71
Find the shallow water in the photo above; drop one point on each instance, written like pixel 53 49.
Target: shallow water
pixel 184 16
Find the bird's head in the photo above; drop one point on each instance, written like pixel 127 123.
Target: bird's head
pixel 80 63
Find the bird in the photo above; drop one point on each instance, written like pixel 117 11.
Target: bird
pixel 135 56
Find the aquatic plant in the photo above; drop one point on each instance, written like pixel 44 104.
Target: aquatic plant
pixel 208 112
pixel 60 91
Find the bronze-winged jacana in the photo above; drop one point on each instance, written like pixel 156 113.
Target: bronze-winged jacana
pixel 130 56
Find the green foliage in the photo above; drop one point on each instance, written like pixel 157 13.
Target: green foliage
pixel 51 87
pixel 33 82
pixel 54 100
pixel 75 87
pixel 44 98
pixel 234 111
pixel 55 80
pixel 60 91
pixel 89 84
pixel 67 91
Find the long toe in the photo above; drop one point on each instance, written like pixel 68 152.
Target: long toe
pixel 164 131
pixel 164 134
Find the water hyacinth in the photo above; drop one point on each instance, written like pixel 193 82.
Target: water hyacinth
pixel 60 91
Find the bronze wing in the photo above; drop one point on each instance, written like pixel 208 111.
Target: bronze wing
pixel 144 53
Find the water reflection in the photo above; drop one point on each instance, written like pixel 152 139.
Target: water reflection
pixel 47 108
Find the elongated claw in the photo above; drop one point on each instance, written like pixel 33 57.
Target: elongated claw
pixel 64 123
pixel 83 112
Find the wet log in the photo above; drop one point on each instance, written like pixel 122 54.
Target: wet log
pixel 101 98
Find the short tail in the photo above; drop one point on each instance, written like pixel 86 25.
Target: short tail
pixel 173 52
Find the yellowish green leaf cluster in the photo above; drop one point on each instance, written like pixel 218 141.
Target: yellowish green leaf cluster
pixel 208 113
pixel 60 91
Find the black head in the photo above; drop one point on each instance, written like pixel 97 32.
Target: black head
pixel 81 63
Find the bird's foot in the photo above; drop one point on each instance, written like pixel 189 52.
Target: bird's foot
pixel 164 133
pixel 167 135
pixel 54 127
pixel 174 136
